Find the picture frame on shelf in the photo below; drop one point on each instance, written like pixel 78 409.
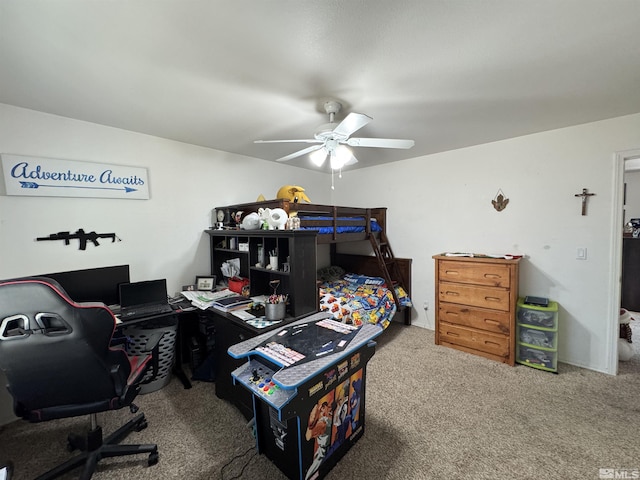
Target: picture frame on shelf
pixel 206 284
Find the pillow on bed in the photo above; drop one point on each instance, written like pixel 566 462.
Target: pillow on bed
pixel 364 279
pixel 330 274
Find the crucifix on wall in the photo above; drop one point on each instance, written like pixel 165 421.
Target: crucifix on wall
pixel 584 195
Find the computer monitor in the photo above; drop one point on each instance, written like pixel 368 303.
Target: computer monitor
pixel 93 284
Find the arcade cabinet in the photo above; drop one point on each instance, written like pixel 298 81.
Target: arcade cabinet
pixel 307 382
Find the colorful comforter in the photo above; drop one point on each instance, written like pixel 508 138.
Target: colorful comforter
pixel 356 299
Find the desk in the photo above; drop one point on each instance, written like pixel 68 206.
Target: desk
pixel 310 413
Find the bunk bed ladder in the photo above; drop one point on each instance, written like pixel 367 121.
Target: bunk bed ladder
pixel 387 263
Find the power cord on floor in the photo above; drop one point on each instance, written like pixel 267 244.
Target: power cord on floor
pixel 243 467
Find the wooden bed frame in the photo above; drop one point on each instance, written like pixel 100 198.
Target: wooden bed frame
pixel 362 264
pixel 313 210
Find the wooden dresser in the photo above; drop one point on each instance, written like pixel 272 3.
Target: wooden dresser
pixel 476 301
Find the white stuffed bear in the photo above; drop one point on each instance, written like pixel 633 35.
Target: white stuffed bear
pixel 625 349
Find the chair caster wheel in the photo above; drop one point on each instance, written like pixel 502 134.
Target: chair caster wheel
pixel 141 425
pixel 153 458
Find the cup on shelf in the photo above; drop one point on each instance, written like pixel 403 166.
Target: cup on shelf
pixel 273 262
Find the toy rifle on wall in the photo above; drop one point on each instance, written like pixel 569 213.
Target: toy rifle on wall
pixel 81 235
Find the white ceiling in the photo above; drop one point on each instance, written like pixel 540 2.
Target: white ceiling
pixel 221 74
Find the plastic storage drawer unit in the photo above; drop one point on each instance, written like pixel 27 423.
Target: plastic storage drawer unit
pixel 537 334
pixel 538 358
pixel 537 337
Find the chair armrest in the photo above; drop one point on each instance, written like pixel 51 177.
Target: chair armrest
pixel 153 346
pixel 119 381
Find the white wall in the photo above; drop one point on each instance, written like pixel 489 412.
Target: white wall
pixel 442 202
pixel 161 237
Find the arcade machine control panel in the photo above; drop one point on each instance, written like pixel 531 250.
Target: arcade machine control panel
pixel 258 378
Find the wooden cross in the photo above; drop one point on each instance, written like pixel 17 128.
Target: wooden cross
pixel 584 196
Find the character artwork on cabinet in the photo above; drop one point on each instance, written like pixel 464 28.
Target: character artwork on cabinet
pixel 333 419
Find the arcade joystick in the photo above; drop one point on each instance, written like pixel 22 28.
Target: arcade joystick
pixel 255 377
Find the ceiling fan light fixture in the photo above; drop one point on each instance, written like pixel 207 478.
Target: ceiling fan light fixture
pixel 340 156
pixel 318 157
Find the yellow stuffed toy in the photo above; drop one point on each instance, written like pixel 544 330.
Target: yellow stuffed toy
pixel 293 193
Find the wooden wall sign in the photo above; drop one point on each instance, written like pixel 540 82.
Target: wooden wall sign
pixel 50 177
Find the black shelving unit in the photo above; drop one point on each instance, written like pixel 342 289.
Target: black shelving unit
pixel 297 248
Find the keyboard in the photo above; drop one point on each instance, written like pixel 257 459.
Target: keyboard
pixel 147 311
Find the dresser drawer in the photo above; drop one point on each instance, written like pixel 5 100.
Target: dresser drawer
pixel 490 320
pixel 474 339
pixel 485 297
pixel 493 275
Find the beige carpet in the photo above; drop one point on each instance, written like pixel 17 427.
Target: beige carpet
pixel 431 413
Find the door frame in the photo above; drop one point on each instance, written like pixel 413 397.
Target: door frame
pixel 615 281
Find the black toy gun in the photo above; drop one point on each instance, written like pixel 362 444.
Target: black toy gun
pixel 81 235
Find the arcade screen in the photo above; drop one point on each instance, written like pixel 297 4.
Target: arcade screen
pixel 307 341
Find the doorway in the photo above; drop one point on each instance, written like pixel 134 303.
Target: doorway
pixel 626 161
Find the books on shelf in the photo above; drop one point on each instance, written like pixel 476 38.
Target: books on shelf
pixel 228 304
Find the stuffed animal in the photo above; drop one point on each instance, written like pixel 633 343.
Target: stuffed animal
pixel 625 350
pixel 293 193
pixel 276 218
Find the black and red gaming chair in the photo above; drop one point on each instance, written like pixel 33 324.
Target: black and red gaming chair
pixel 59 362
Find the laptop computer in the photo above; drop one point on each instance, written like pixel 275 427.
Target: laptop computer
pixel 143 299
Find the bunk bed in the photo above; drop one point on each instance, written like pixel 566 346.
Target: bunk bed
pixel 335 225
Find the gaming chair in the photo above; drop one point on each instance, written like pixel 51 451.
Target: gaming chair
pixel 59 362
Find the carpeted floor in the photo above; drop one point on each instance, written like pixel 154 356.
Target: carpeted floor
pixel 431 413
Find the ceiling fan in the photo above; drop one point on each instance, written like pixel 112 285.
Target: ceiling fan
pixel 331 140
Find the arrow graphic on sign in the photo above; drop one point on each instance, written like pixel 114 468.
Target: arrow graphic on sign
pixel 36 185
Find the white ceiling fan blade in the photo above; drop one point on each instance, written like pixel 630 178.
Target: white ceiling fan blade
pixel 299 153
pixel 352 123
pixel 380 142
pixel 305 140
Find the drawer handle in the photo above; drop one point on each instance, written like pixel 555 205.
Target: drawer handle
pixel 491 321
pixel 451 272
pixel 486 342
pixel 451 314
pixel 452 334
pixel 453 294
pixel 492 275
pixel 492 299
